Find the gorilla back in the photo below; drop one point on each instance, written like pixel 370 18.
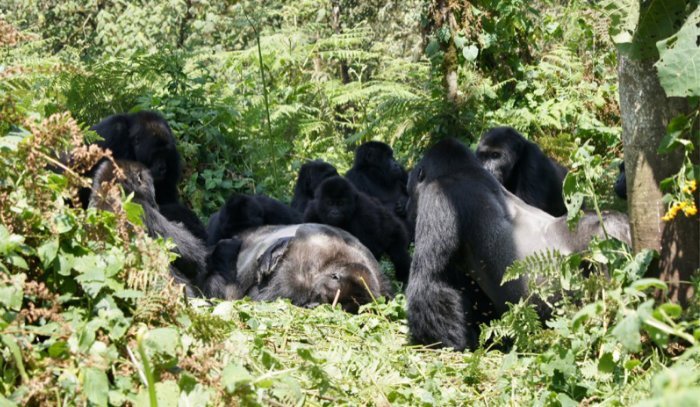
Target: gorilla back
pixel 469 229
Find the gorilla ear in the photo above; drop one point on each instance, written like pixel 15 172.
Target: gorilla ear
pixel 271 258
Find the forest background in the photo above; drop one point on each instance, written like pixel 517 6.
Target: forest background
pixel 253 89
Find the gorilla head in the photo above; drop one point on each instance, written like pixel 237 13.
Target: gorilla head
pixel 240 212
pixel 311 174
pixel 521 167
pixel 377 158
pixel 134 178
pixel 499 150
pixel 310 264
pixel 336 201
pixel 145 137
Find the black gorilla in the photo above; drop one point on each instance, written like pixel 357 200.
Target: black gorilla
pixel 376 173
pixel 620 186
pixel 145 137
pixel 309 264
pixel 178 212
pixel 523 169
pixel 192 254
pixel 241 212
pixel 338 203
pixel 311 174
pixel 468 230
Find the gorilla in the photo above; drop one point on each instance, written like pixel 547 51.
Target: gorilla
pixel 145 137
pixel 178 212
pixel 469 229
pixel 376 173
pixel 136 179
pixel 523 169
pixel 338 203
pixel 241 212
pixel 309 264
pixel 311 174
pixel 620 186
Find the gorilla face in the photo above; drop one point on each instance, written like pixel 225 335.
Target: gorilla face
pixel 498 152
pixel 336 201
pixel 346 281
pixel 380 157
pixel 153 145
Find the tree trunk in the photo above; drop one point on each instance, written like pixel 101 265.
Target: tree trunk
pixel 646 112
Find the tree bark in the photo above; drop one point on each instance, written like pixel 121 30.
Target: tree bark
pixel 646 112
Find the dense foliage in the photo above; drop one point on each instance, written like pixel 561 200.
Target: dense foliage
pixel 252 89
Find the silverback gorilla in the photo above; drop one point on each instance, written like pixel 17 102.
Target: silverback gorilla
pixel 310 264
pixel 468 230
pixel 523 169
pixel 137 179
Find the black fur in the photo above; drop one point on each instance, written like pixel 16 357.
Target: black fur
pixel 311 174
pixel 620 186
pixel 376 173
pixel 464 242
pixel 523 169
pixel 241 212
pixel 145 137
pixel 191 260
pixel 178 212
pixel 338 203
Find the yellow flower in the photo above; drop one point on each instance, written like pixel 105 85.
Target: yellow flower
pixel 690 210
pixel 690 187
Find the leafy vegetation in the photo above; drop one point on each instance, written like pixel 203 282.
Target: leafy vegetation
pixel 253 89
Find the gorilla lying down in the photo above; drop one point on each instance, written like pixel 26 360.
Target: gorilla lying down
pixel 469 229
pixel 310 264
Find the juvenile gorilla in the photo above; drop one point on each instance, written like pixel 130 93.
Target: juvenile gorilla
pixel 468 230
pixel 145 137
pixel 241 212
pixel 338 203
pixel 309 264
pixel 311 174
pixel 377 174
pixel 523 169
pixel 191 261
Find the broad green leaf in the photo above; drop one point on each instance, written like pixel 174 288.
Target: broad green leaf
pixel 627 332
pixel 167 395
pixel 679 59
pixel 47 252
pixel 470 52
pixel 233 374
pixel 645 283
pixel 161 345
pixel 606 363
pixel 96 386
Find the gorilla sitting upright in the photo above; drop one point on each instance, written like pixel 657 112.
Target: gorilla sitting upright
pixel 145 137
pixel 469 229
pixel 311 174
pixel 523 169
pixel 376 173
pixel 338 203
